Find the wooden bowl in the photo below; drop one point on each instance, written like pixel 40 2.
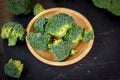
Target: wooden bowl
pixel 46 56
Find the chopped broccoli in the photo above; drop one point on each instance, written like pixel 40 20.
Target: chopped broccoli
pixel 37 9
pixel 59 24
pixel 87 35
pixel 60 49
pixel 12 31
pixel 13 68
pixel 73 52
pixel 111 5
pixel 39 41
pixel 19 6
pixel 39 25
pixel 74 35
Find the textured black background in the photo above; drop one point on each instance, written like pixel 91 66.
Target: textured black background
pixel 102 62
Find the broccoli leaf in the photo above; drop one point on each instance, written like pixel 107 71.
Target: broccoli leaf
pixel 13 68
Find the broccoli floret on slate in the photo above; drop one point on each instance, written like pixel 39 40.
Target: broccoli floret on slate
pixel 12 31
pixel 13 68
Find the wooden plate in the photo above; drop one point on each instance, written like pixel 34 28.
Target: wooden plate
pixel 83 48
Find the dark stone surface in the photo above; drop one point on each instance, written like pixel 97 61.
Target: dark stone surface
pixel 102 62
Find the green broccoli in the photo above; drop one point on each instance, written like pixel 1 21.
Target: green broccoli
pixel 115 7
pixel 73 52
pixel 37 9
pixel 61 49
pixel 74 35
pixel 111 5
pixel 87 35
pixel 59 24
pixel 19 6
pixel 39 24
pixel 13 68
pixel 102 3
pixel 39 41
pixel 12 31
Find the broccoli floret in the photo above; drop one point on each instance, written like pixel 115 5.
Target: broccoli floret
pixel 37 9
pixel 111 5
pixel 87 35
pixel 13 68
pixel 39 25
pixel 39 41
pixel 19 6
pixel 59 24
pixel 74 35
pixel 115 7
pixel 60 49
pixel 102 3
pixel 12 31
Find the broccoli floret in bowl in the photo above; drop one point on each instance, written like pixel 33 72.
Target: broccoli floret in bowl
pixel 39 41
pixel 74 35
pixel 60 49
pixel 59 24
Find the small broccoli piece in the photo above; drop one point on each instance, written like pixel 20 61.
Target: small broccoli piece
pixel 13 68
pixel 19 6
pixel 59 24
pixel 60 49
pixel 88 35
pixel 74 35
pixel 73 52
pixel 39 41
pixel 37 9
pixel 39 24
pixel 12 31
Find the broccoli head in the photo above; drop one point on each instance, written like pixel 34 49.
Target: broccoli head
pixel 39 25
pixel 59 24
pixel 13 68
pixel 111 5
pixel 60 49
pixel 37 9
pixel 19 6
pixel 12 31
pixel 74 35
pixel 39 41
pixel 87 35
pixel 115 7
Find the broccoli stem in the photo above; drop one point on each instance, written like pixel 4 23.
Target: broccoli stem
pixel 12 41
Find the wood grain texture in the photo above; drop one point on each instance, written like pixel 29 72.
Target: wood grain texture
pixel 83 48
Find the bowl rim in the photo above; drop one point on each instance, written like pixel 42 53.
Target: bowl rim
pixel 64 63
